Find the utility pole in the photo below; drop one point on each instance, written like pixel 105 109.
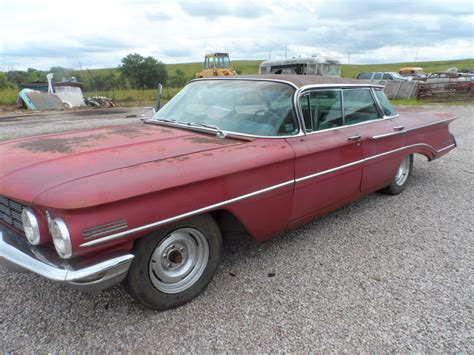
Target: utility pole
pixel 286 50
pixel 269 54
pixel 349 58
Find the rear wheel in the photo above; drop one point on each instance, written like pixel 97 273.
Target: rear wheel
pixel 173 265
pixel 400 181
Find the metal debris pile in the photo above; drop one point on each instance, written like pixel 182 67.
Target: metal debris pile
pixel 99 101
pixel 38 96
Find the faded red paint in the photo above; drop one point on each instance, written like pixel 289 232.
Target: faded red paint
pixel 147 173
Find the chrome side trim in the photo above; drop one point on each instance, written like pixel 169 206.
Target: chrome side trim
pixel 446 148
pixel 184 215
pixel 388 134
pixel 329 171
pixel 431 124
pixel 252 194
pixel 412 129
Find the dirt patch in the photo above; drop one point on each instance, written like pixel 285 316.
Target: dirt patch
pixel 59 145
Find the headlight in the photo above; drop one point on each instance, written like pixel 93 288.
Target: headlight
pixel 61 238
pixel 30 225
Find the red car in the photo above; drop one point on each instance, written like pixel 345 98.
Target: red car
pixel 148 204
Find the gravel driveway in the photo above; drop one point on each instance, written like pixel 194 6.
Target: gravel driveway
pixel 384 274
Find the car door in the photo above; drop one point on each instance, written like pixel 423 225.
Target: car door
pixel 328 159
pixel 383 137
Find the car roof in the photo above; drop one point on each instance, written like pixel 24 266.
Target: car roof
pixel 298 80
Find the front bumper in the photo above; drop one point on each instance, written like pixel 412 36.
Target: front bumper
pixel 86 274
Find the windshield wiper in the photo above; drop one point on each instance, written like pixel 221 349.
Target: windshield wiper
pixel 219 132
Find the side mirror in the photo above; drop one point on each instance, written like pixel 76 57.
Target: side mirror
pixel 159 92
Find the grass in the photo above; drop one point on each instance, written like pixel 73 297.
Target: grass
pixel 131 97
pixel 8 97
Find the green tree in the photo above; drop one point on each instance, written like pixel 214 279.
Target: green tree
pixel 143 72
pixel 4 83
pixel 178 80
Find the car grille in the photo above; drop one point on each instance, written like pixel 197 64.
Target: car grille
pixel 10 212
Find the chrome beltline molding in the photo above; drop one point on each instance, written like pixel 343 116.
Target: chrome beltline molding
pixel 252 194
pixel 413 128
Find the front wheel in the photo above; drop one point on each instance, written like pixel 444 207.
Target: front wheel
pixel 173 265
pixel 400 181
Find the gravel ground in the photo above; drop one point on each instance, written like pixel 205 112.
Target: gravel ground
pixel 384 274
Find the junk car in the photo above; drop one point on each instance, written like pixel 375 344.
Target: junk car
pixel 148 204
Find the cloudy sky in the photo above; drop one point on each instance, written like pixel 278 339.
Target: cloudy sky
pixel 95 34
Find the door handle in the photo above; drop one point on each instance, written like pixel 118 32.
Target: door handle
pixel 356 137
pixel 399 128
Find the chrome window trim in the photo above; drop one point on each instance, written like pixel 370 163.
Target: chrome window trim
pixel 308 91
pixel 252 194
pixel 306 88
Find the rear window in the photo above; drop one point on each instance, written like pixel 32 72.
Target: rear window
pixel 364 76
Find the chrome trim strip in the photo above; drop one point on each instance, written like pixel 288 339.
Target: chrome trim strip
pixel 184 215
pixel 340 85
pixel 412 129
pixel 246 79
pixel 448 147
pixel 431 124
pixel 329 171
pixel 388 134
pixel 252 194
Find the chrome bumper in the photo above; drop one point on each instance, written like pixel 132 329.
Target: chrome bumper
pixel 86 274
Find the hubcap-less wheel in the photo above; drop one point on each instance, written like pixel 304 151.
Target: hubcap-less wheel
pixel 403 171
pixel 179 260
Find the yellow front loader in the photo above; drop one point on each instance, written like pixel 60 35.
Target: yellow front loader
pixel 216 64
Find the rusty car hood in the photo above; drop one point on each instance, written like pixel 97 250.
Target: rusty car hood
pixel 31 166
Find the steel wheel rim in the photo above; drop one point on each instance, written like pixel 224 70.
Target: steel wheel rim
pixel 179 260
pixel 402 172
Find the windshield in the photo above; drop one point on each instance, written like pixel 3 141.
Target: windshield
pixel 260 108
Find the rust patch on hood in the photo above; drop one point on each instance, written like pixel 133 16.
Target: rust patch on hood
pixel 134 132
pixel 205 140
pixel 59 145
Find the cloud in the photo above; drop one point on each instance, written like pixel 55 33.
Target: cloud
pixel 157 16
pixel 214 9
pixel 183 30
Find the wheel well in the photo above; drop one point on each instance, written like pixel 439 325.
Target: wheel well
pixel 229 225
pixel 428 157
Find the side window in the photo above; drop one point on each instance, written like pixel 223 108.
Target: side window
pixel 384 103
pixel 364 76
pixel 359 106
pixel 322 109
pixel 387 76
pixel 377 76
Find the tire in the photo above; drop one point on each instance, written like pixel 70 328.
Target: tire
pixel 174 264
pixel 402 177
